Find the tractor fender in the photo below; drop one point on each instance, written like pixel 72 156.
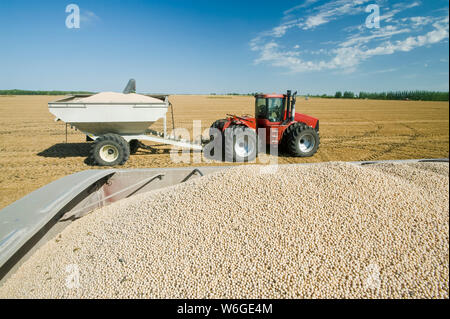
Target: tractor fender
pixel 251 123
pixel 309 120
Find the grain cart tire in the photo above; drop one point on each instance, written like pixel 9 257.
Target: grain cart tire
pixel 109 150
pixel 134 146
pixel 241 144
pixel 301 140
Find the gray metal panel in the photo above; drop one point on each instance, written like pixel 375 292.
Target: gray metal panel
pixel 21 220
pixel 30 222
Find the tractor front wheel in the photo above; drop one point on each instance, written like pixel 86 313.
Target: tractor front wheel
pixel 301 140
pixel 109 150
pixel 241 144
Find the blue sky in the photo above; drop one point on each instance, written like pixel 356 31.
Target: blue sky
pixel 217 46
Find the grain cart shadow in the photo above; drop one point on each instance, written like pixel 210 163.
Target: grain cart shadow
pixel 209 154
pixel 62 150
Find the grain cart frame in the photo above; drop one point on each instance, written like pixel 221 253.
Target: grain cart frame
pixel 296 133
pixel 116 128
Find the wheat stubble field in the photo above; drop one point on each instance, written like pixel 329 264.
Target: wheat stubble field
pixel 33 151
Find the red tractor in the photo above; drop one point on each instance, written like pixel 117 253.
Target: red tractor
pixel 296 134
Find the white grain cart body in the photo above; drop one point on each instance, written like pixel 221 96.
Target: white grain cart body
pixel 117 127
pixel 95 119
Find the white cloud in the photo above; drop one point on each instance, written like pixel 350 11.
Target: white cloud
pixel 420 21
pixel 357 47
pixel 399 7
pixel 88 17
pixel 314 21
pixel 331 11
pixel 382 33
pixel 305 4
pixel 317 16
pixel 385 71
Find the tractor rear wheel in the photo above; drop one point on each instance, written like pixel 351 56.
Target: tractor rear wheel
pixel 241 144
pixel 215 131
pixel 216 125
pixel 109 150
pixel 301 140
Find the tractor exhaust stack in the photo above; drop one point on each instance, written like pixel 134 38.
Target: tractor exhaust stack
pixel 293 106
pixel 288 105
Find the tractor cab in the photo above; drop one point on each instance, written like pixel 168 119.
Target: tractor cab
pixel 270 107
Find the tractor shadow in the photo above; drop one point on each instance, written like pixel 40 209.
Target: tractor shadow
pixel 210 154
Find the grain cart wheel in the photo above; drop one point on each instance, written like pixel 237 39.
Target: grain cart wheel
pixel 301 140
pixel 241 144
pixel 134 146
pixel 109 150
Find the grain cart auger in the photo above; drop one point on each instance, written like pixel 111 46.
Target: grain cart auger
pixel 294 133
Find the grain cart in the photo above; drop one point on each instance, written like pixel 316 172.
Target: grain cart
pixel 117 125
pixel 297 134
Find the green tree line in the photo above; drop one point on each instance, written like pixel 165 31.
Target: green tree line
pixel 406 95
pixel 393 95
pixel 29 92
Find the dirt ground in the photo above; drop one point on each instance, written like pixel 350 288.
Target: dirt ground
pixel 33 151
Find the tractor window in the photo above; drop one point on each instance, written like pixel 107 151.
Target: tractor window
pixel 275 109
pixel 269 108
pixel 260 107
